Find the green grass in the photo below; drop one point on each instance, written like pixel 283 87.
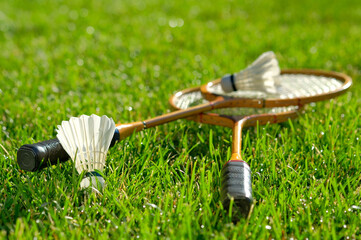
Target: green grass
pixel 124 59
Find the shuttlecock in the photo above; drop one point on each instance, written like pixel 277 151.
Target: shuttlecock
pixel 256 77
pixel 86 139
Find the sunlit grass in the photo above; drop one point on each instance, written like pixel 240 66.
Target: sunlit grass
pixel 124 59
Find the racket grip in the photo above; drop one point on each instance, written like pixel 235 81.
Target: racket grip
pixel 237 185
pixel 33 157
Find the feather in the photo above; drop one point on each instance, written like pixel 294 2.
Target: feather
pixel 256 77
pixel 86 139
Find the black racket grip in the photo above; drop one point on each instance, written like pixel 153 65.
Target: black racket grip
pixel 33 157
pixel 237 185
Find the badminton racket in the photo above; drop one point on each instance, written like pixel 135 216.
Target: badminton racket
pixel 313 86
pixel 236 174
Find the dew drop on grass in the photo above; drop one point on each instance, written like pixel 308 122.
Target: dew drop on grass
pixel 202 226
pixel 356 207
pixel 162 21
pixel 268 227
pixel 180 22
pixel 129 64
pixel 172 23
pixel 198 58
pixel 313 50
pixel 84 12
pixel 80 62
pixel 90 30
pixel 73 15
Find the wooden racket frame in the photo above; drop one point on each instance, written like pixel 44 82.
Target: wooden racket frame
pixel 235 122
pixel 217 102
pixel 269 103
pixel 32 157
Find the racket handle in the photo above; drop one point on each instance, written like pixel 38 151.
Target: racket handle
pixel 237 185
pixel 33 157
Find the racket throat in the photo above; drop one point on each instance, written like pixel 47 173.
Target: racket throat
pixel 125 130
pixel 236 157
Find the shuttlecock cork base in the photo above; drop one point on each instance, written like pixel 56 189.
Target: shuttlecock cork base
pixel 93 181
pixel 86 139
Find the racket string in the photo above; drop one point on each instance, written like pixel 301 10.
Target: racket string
pixel 284 86
pixel 186 100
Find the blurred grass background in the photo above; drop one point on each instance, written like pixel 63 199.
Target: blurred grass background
pixel 124 59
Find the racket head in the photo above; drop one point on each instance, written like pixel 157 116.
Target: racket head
pixel 227 117
pixel 295 87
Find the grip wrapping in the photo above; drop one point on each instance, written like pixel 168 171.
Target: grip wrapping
pixel 237 185
pixel 32 157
